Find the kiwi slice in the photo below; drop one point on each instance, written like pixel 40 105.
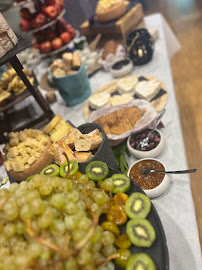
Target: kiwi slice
pixel 140 261
pixel 121 183
pixel 141 232
pixel 97 170
pixel 51 170
pixel 138 205
pixel 73 168
pixel 29 178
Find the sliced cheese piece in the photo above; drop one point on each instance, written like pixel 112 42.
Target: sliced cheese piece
pixel 148 89
pixel 31 160
pixel 120 99
pixel 8 165
pixel 99 100
pixel 14 141
pixel 13 151
pixel 18 166
pixel 127 85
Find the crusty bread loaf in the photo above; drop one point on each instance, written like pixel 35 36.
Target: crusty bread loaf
pixel 7 37
pixel 83 156
pixel 109 47
pixel 44 160
pixel 113 12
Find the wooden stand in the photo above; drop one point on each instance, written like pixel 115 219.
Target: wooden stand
pixel 5 125
pixel 117 30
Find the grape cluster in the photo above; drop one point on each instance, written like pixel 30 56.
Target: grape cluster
pixel 52 223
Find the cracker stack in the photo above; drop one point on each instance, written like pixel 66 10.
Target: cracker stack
pixel 7 37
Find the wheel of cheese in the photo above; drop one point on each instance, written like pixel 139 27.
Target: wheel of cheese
pixel 112 13
pixel 44 160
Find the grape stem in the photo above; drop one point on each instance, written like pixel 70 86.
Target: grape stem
pixel 110 258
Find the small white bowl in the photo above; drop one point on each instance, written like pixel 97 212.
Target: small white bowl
pixel 125 70
pixel 150 153
pixel 161 188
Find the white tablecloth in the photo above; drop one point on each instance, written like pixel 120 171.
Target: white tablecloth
pixel 175 207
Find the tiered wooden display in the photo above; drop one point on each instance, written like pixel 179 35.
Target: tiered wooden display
pixel 133 19
pixel 5 122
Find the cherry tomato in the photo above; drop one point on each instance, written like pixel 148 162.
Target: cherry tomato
pixel 116 214
pixel 112 227
pixel 120 198
pixel 123 241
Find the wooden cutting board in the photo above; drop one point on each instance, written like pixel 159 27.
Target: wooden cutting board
pixel 158 102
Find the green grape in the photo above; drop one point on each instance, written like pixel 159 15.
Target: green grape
pixel 22 261
pixel 57 227
pixel 26 212
pixel 21 201
pixel 3 240
pixel 45 255
pixel 89 246
pixel 83 178
pixel 89 267
pixel 4 251
pixel 65 185
pixel 37 206
pixel 55 181
pixel 74 195
pixel 11 211
pixel 90 185
pixel 108 250
pixel 45 189
pixel 97 236
pixel 85 224
pixel 44 221
pixel 100 197
pixel 20 227
pixel 71 208
pixel 81 205
pixel 32 194
pixel 108 184
pixel 106 266
pixel 84 257
pixel 34 226
pixel 78 235
pixel 23 185
pixel 80 187
pixel 4 196
pixel 10 230
pixel 37 180
pixel 18 247
pixel 58 200
pixel 108 238
pixel 97 246
pixel 59 266
pixel 70 263
pixel 20 193
pixel 97 257
pixel 1 227
pixel 13 187
pixel 96 209
pixel 61 241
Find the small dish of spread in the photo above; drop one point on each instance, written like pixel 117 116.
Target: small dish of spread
pixel 154 184
pixel 155 146
pixel 121 67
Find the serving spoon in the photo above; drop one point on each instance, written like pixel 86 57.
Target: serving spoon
pixel 144 142
pixel 146 171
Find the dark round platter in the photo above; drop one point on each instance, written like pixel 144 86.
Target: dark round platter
pixel 159 250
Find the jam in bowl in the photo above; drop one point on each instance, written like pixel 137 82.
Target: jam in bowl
pixel 155 146
pixel 153 183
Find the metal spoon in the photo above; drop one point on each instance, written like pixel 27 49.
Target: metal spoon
pixel 146 171
pixel 144 142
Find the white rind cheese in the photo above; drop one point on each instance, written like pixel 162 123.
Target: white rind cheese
pixel 100 100
pixel 147 89
pixel 7 37
pixel 127 85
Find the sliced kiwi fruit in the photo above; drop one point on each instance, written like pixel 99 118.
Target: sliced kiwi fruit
pixel 29 178
pixel 140 261
pixel 138 205
pixel 51 170
pixel 97 170
pixel 73 168
pixel 121 183
pixel 141 232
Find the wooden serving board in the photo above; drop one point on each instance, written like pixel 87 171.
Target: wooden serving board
pixel 158 102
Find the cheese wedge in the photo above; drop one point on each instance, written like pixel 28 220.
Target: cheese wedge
pixel 127 85
pixel 120 99
pixel 147 89
pixel 100 100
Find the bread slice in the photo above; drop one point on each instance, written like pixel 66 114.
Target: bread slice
pixel 83 156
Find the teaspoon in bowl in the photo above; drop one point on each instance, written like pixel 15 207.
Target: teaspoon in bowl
pixel 146 171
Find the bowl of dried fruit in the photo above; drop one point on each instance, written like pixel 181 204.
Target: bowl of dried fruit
pixel 154 148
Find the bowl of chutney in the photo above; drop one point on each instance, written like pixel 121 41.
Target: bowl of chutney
pixel 154 184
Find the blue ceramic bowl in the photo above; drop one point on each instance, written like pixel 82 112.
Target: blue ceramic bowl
pixel 73 88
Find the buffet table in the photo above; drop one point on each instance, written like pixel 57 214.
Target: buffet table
pixel 175 207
